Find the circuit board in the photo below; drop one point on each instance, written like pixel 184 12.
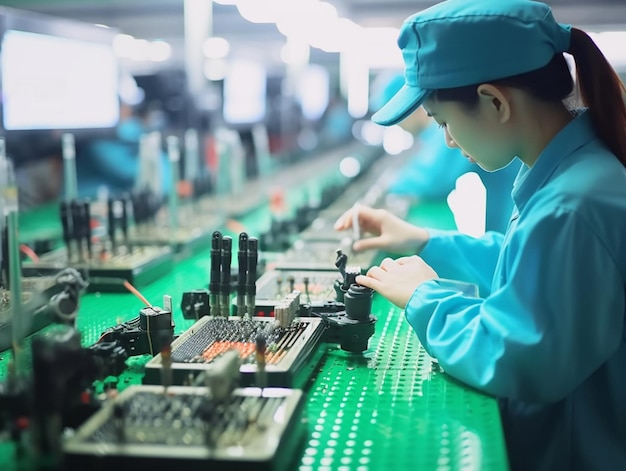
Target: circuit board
pixel 291 351
pixel 320 255
pixel 36 291
pixel 186 428
pixel 191 233
pixel 138 265
pixel 314 286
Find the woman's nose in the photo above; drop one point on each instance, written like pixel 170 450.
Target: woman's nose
pixel 450 142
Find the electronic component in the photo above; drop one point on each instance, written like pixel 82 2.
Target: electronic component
pixel 352 327
pixel 117 217
pixel 251 429
pixel 149 333
pixel 291 352
pixel 316 289
pixel 242 275
pixel 107 261
pixel 320 255
pixel 224 288
pixel 185 232
pixel 216 301
pixel 216 274
pixel 52 398
pixel 139 267
pixel 223 377
pixel 251 277
pixel 44 300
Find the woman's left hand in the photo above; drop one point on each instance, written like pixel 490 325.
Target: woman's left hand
pixel 398 279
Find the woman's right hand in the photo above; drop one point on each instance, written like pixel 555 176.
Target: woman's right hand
pixel 387 231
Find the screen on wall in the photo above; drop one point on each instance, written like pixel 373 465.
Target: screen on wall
pixel 57 83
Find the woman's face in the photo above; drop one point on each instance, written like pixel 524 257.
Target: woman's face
pixel 477 132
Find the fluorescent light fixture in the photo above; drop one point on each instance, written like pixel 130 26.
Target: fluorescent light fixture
pixel 245 93
pixel 313 91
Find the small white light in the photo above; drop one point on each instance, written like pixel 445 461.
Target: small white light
pixel 215 69
pixel 215 48
pixel 159 51
pixel 350 167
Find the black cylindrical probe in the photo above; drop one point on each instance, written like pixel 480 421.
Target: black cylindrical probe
pixel 242 275
pixel 227 253
pixel 66 224
pixel 125 201
pixel 86 227
pixel 340 262
pixel 253 259
pixel 260 348
pixel 111 222
pixel 76 230
pixel 216 266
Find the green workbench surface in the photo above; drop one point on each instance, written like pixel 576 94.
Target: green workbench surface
pixel 389 408
pixel 40 223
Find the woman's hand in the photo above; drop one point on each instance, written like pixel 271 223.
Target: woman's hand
pixel 398 279
pixel 388 232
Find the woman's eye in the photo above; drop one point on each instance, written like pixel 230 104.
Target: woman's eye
pixel 442 125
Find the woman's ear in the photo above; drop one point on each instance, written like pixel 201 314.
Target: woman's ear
pixel 496 100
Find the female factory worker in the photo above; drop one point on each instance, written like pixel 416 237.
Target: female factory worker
pixel 547 334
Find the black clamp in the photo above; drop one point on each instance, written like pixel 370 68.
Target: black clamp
pixel 348 319
pixel 146 334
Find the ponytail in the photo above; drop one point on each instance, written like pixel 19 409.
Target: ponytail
pixel 601 91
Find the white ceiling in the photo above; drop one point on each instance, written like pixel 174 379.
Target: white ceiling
pixel 164 19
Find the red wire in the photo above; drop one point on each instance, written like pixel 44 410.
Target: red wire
pixel 134 290
pixel 30 253
pixel 235 226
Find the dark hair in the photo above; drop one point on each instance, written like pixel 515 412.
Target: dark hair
pixel 599 86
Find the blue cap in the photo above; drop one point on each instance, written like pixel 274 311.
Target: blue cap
pixel 457 43
pixel 391 86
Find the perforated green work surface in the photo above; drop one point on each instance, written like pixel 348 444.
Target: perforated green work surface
pixel 389 408
pixel 393 408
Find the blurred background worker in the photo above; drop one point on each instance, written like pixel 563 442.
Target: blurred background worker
pixel 434 169
pixel 112 161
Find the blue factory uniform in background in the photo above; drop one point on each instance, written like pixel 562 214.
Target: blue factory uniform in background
pixel 114 162
pixel 567 238
pixel 432 172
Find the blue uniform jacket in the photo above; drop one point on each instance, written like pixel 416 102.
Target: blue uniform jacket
pixel 114 163
pixel 546 336
pixel 432 174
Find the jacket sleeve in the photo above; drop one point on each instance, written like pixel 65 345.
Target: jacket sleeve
pixel 461 257
pixel 558 315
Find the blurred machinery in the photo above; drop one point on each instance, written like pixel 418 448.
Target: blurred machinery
pixel 291 326
pixel 108 260
pixel 211 425
pixel 45 300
